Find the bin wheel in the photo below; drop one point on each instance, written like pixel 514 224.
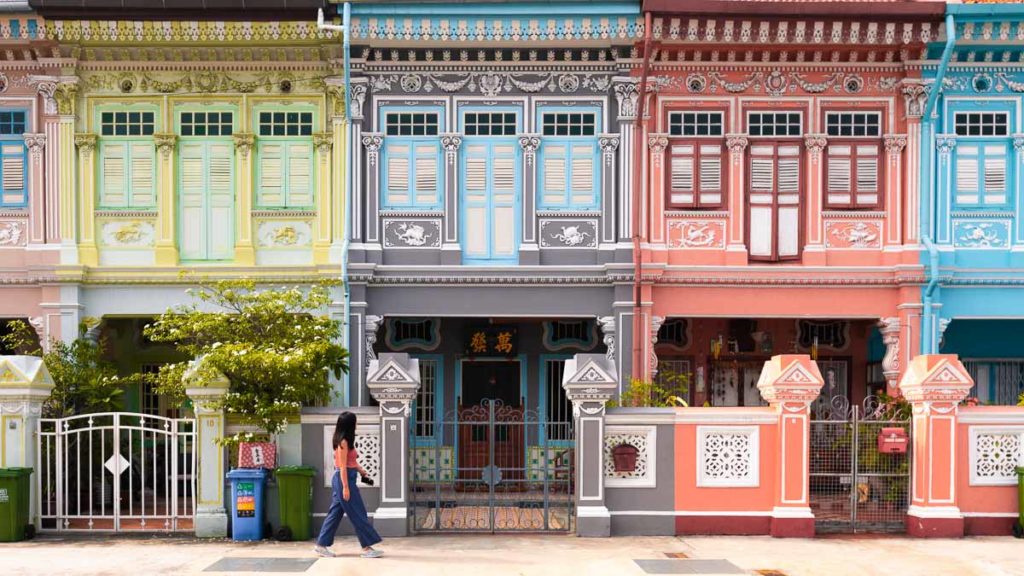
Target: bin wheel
pixel 283 534
pixel 30 531
pixel 1018 530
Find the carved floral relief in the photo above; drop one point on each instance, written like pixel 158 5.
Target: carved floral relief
pixel 707 234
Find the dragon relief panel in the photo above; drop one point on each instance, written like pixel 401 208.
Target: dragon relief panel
pixel 862 235
pixel 985 234
pixel 284 234
pixel 128 234
pixel 696 234
pixel 568 233
pixel 412 233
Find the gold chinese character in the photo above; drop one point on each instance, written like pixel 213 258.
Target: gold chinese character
pixel 504 344
pixel 479 343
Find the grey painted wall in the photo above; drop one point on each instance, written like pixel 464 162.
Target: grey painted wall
pixel 661 498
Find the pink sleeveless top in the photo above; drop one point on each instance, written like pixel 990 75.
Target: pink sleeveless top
pixel 350 462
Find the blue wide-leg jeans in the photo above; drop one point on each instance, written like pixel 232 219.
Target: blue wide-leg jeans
pixel 354 507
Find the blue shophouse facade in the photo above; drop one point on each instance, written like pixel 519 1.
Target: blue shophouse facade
pixel 972 205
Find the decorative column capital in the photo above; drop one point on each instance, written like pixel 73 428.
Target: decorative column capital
pixel 371 323
pixel 1018 142
pixel 530 143
pixel 936 383
pixel 165 143
pixel 607 326
pixel 915 95
pixel 46 86
pixel 945 143
pixel 66 95
pixel 451 143
pixel 894 144
pixel 815 143
pixel 393 381
pixel 736 143
pixel 657 143
pixel 656 322
pixel 790 382
pixel 323 141
pixel 627 94
pixel 890 331
pixel 244 142
pixel 86 143
pixel 336 94
pixel 589 383
pixel 372 141
pixel 35 143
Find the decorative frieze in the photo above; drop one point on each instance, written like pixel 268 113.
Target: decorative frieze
pixel 491 83
pixel 848 234
pixel 284 234
pixel 145 31
pixel 412 233
pixel 128 234
pixel 981 234
pixel 715 30
pixel 568 233
pixel 697 234
pixel 515 29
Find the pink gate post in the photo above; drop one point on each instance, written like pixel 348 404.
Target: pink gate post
pixel 935 384
pixel 790 383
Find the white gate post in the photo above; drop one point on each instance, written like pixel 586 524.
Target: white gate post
pixel 211 519
pixel 393 381
pixel 589 382
pixel 25 384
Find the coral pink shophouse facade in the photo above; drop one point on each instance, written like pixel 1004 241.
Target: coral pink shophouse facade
pixel 780 214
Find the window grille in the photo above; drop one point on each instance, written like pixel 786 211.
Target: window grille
pixel 207 123
pixel 696 124
pixel 426 399
pixel 489 124
pixel 286 124
pixel 981 123
pixel 127 124
pixel 774 124
pixel 853 124
pixel 569 124
pixel 12 123
pixel 411 123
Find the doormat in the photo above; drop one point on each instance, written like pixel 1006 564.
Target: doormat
pixel 261 565
pixel 689 566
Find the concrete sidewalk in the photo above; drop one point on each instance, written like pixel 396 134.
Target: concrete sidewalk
pixel 521 556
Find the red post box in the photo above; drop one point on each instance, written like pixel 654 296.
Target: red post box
pixel 892 441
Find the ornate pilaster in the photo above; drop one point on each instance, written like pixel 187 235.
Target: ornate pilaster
pixel 894 145
pixel 371 324
pixel 589 383
pixel 88 253
pixel 206 389
pixel 47 89
pixel 935 384
pixel 450 249
pixel 945 143
pixel 393 381
pixel 790 383
pixel 66 95
pixel 815 143
pixel 244 143
pixel 1018 143
pixel 737 144
pixel 657 143
pixel 373 142
pixel 86 144
pixel 166 200
pixel 336 95
pixel 36 143
pixel 915 96
pixel 627 95
pixel 609 144
pixel 656 322
pixel 529 253
pixel 607 326
pixel 890 330
pixel 323 143
pixel 736 250
pixel 451 144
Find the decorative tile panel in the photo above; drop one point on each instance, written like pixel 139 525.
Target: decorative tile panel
pixel 995 453
pixel 426 467
pixel 697 234
pixel 981 234
pixel 645 440
pixel 128 233
pixel 284 234
pixel 538 463
pixel 853 235
pixel 412 233
pixel 13 233
pixel 728 456
pixel 368 445
pixel 568 233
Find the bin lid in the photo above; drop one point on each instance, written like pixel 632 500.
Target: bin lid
pixel 14 472
pixel 247 474
pixel 295 471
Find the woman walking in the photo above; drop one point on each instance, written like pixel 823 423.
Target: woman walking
pixel 346 498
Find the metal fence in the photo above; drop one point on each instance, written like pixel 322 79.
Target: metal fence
pixel 116 472
pixel 855 487
pixel 493 468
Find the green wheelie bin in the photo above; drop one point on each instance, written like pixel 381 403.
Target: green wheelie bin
pixel 295 499
pixel 15 489
pixel 1018 526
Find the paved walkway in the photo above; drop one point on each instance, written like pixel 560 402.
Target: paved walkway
pixel 522 556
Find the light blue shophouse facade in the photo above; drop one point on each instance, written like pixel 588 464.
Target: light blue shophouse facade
pixel 972 197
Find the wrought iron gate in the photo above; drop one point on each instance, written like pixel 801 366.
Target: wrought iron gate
pixel 855 487
pixel 115 472
pixel 492 468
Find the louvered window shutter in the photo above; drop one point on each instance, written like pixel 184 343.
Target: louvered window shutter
pixel 967 175
pixel 995 174
pixel 193 183
pixel 221 157
pixel 788 199
pixel 142 175
pixel 14 189
pixel 427 175
pixel 682 177
pixel 271 187
pixel 868 185
pixel 554 177
pixel 762 213
pixel 711 192
pixel 397 192
pixel 113 175
pixel 583 188
pixel 504 174
pixel 300 175
pixel 839 166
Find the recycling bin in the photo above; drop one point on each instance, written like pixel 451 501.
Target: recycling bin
pixel 1018 527
pixel 247 513
pixel 15 489
pixel 295 501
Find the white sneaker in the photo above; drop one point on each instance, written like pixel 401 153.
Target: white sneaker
pixel 371 553
pixel 323 552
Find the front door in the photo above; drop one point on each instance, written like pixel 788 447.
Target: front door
pixel 490 186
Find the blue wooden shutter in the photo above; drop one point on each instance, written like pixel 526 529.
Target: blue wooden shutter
pixel 15 191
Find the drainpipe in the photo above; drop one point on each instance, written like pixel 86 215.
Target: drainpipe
pixel 638 159
pixel 345 44
pixel 929 343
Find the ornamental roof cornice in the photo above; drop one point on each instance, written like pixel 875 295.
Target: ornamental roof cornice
pixel 768 29
pixel 470 29
pixel 184 31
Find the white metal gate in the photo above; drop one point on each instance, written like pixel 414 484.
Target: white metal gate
pixel 116 471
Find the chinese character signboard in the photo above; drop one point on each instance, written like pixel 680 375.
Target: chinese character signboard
pixel 492 341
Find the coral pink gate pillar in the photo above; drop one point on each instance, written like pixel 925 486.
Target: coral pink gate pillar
pixel 935 384
pixel 790 382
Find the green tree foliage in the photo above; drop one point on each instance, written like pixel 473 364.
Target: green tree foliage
pixel 84 382
pixel 276 347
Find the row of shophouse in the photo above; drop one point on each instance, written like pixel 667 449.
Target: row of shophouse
pixel 683 187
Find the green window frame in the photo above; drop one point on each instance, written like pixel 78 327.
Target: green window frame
pixel 127 156
pixel 285 157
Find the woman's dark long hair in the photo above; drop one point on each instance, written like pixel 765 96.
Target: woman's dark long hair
pixel 345 430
